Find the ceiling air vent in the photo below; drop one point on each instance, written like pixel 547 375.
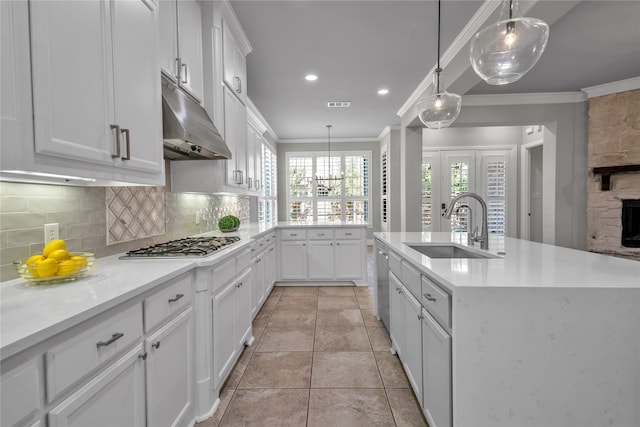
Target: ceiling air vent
pixel 339 104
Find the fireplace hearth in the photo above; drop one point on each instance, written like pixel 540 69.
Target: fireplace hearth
pixel 631 223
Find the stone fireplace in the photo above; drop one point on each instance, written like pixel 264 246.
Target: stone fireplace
pixel 614 173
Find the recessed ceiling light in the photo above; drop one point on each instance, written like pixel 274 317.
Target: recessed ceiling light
pixel 383 91
pixel 311 77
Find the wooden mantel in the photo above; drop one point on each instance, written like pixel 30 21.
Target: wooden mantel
pixel 607 171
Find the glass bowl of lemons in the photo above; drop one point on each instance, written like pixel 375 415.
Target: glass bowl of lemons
pixel 55 264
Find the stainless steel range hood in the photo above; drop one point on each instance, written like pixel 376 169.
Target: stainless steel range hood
pixel 188 132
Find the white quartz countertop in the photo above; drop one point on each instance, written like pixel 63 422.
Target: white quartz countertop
pixel 524 264
pixel 31 313
pixel 328 224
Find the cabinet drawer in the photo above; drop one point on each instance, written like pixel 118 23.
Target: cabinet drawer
pixel 436 301
pixel 320 234
pixel 261 244
pixel 395 265
pixel 411 279
pixel 270 238
pixel 168 301
pixel 223 273
pixel 72 359
pixel 293 234
pixel 348 233
pixel 243 259
pixel 20 394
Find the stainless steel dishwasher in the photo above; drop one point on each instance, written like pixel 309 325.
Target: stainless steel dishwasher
pixel 382 282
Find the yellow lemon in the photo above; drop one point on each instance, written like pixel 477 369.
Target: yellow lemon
pixel 32 264
pixel 60 255
pixel 67 267
pixel 47 267
pixel 53 245
pixel 82 261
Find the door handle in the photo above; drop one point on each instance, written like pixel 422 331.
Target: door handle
pixel 127 138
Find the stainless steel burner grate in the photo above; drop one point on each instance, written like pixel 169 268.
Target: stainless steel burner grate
pixel 188 247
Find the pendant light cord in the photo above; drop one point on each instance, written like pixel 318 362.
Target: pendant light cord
pixel 438 69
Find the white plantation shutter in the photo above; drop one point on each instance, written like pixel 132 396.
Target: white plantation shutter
pixel 496 178
pixel 427 180
pixel 267 204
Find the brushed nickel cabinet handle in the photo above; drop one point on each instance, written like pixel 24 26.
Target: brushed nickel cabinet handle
pixel 156 345
pixel 143 356
pixel 115 337
pixel 127 138
pixel 177 297
pixel 117 128
pixel 429 297
pixel 184 78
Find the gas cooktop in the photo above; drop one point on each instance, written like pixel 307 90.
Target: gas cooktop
pixel 185 248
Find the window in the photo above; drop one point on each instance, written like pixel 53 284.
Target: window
pixel 267 205
pixel 311 200
pixel 426 196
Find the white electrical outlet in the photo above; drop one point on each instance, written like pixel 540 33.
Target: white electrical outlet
pixel 51 232
pixel 198 217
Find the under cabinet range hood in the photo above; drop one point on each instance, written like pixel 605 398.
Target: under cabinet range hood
pixel 188 132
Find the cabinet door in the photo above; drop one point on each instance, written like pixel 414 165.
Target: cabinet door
pixel 114 398
pixel 251 157
pixel 270 270
pixel 293 256
pixel 168 37
pixel 21 393
pixel 349 254
pixel 235 125
pixel 243 308
pixel 73 80
pixel 436 371
pixel 190 47
pixel 137 84
pixel 396 331
pixel 224 334
pixel 229 48
pixel 320 264
pixel 170 372
pixel 412 350
pixel 259 276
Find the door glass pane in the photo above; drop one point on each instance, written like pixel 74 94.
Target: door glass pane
pixel 426 197
pixel 460 184
pixel 496 196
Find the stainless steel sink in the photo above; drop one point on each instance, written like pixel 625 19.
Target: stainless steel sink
pixel 448 251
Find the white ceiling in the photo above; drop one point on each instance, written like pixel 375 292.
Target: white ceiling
pixel 358 47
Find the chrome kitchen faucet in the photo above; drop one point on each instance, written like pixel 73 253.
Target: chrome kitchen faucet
pixel 482 238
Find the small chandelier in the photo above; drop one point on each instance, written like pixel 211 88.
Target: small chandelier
pixel 505 51
pixel 328 184
pixel 440 108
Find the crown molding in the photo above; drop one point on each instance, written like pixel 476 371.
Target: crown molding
pixel 613 87
pixel 480 18
pixel 524 99
pixel 387 130
pixel 324 140
pixel 257 120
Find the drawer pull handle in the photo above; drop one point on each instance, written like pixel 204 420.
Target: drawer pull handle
pixel 143 356
pixel 178 296
pixel 420 317
pixel 320 234
pixel 271 250
pixel 429 297
pixel 156 345
pixel 348 234
pixel 115 337
pixel 294 234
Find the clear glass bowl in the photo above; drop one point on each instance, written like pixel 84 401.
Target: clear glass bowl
pixel 24 273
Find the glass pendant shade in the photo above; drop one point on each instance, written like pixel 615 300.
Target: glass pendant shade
pixel 440 108
pixel 505 51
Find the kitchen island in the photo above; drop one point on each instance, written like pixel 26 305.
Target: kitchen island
pixel 534 335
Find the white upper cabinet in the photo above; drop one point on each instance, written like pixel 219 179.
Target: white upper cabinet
pixel 235 135
pixel 96 94
pixel 181 44
pixel 235 63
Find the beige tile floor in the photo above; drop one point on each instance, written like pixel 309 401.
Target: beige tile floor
pixel 320 358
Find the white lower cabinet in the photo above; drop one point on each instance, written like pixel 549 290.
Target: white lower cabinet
pixel 21 394
pixel 259 281
pixel 293 264
pixel 320 260
pixel 412 352
pixel 396 331
pixel 231 324
pixel 269 269
pixel 170 373
pixel 349 259
pixel 436 372
pixel 116 397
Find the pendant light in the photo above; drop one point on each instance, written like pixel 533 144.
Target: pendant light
pixel 328 184
pixel 505 51
pixel 440 108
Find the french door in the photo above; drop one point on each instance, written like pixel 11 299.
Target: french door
pixel 447 173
